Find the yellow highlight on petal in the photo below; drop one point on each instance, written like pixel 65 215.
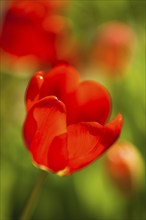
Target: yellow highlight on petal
pixel 63 172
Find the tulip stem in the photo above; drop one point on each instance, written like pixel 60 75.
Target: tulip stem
pixel 27 212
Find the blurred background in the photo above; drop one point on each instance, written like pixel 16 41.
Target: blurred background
pixel 78 37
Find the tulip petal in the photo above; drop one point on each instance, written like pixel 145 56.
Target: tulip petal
pixel 49 120
pixel 61 80
pixel 33 89
pixel 29 127
pixel 58 153
pixel 90 102
pixel 112 129
pixel 83 143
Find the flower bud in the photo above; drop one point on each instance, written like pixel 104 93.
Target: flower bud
pixel 125 166
pixel 113 47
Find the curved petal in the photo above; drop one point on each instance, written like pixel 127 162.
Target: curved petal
pixel 29 128
pixel 90 102
pixel 112 129
pixel 61 80
pixel 83 143
pixel 33 89
pixel 49 120
pixel 58 153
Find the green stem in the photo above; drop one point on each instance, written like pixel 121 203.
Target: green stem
pixel 27 212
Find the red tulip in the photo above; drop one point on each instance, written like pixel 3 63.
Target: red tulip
pixel 125 166
pixel 51 5
pixel 64 128
pixel 30 28
pixel 113 47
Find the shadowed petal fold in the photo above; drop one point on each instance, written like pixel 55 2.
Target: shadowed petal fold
pixel 33 89
pixel 58 153
pixel 48 118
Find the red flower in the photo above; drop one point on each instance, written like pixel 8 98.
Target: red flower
pixel 64 128
pixel 125 167
pixel 113 47
pixel 51 5
pixel 31 28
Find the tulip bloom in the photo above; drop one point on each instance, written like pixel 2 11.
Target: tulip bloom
pixel 65 127
pixel 125 166
pixel 113 47
pixel 31 29
pixel 51 5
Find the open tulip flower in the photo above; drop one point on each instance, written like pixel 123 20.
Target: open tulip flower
pixel 65 127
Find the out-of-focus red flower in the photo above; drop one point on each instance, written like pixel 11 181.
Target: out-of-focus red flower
pixel 51 5
pixel 64 128
pixel 113 47
pixel 55 6
pixel 125 166
pixel 29 28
